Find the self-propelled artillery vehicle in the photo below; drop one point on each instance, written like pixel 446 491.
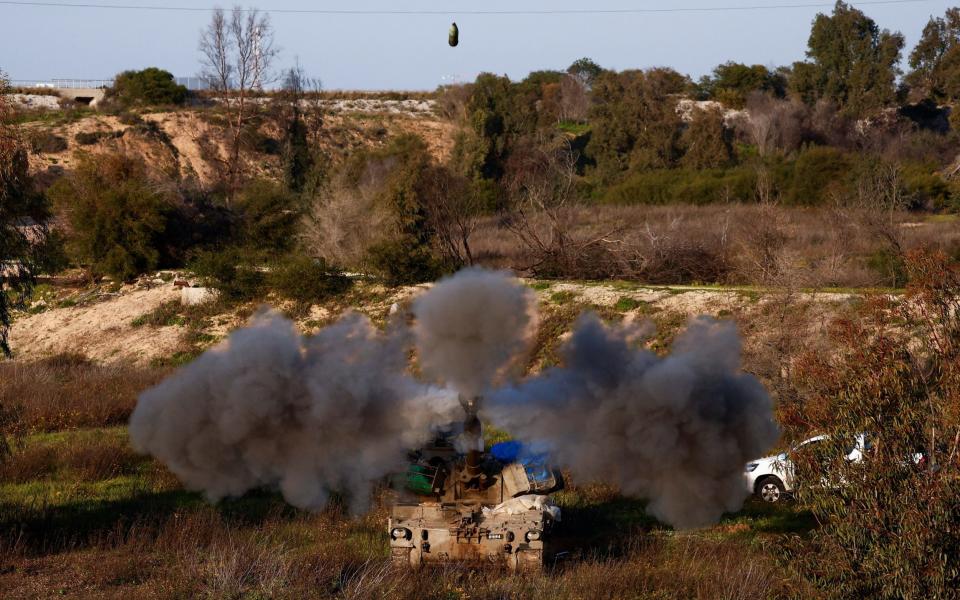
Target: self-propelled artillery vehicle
pixel 473 506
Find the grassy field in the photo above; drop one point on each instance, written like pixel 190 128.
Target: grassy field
pixel 82 515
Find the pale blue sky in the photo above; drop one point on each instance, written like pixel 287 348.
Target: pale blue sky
pixel 411 52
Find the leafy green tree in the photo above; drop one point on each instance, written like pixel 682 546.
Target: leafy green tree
pixel 854 62
pixel 732 82
pixel 24 238
pixel 151 86
pixel 267 217
pixel 407 254
pixel 707 141
pixel 634 121
pixel 496 115
pixel 935 61
pixel 585 70
pixel 298 160
pixel 117 216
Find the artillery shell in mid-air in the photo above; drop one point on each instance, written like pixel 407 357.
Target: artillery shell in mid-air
pixel 454 36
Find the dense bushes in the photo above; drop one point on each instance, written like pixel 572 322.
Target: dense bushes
pixel 266 216
pixel 151 86
pixel 890 530
pixel 230 273
pixel 239 278
pixel 816 172
pixel 118 218
pixel 306 280
pixel 673 186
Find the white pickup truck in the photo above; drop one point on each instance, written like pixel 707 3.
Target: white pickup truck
pixel 772 477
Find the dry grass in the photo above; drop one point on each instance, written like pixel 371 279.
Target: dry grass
pixel 730 244
pixel 67 391
pixel 160 542
pixel 214 560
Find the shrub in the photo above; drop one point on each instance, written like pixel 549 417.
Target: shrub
pixel 269 214
pixel 88 138
pixel 306 280
pixel 261 143
pixel 818 171
pixel 228 273
pixel 403 261
pixel 44 142
pixel 151 86
pixel 130 118
pixel 118 217
pixel 67 392
pixel 670 186
pixel 888 530
pixel 890 266
pixel 927 189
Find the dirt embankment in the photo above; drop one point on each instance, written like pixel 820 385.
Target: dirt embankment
pixel 192 143
pixel 121 325
pixel 98 324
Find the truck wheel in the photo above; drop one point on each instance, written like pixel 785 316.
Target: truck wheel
pixel 770 489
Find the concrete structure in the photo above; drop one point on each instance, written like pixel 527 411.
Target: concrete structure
pixel 88 96
pixel 82 91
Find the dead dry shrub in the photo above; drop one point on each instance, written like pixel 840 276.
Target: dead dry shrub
pixel 67 391
pixel 680 251
pixel 91 457
pixel 28 464
pixel 766 244
pixel 345 220
pixel 96 458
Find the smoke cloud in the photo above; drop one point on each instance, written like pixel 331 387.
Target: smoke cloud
pixel 675 430
pixel 470 327
pixel 338 411
pixel 269 408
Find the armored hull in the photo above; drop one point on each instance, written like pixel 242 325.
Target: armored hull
pixel 438 533
pixel 474 509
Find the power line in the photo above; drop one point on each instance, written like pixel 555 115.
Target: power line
pixel 374 12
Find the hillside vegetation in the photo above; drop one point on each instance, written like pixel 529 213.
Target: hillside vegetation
pixel 815 205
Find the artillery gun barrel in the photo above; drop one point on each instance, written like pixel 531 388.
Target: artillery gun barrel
pixel 473 434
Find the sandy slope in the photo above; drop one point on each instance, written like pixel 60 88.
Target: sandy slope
pixel 102 330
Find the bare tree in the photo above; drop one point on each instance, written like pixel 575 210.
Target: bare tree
pixel 574 102
pixel 453 211
pixel 773 124
pixel 539 179
pixel 237 51
pixel 345 219
pixel 880 197
pixel 301 94
pixel 214 46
